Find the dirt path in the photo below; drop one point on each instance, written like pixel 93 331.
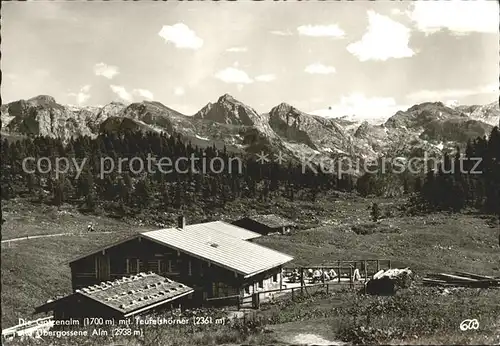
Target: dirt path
pixel 297 333
pixel 312 339
pixel 46 236
pixel 313 332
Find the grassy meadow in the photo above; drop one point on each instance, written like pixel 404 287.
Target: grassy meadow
pixel 333 228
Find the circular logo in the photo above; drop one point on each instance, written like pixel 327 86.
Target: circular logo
pixel 469 324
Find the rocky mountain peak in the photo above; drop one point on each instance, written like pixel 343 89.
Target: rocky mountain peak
pixel 110 110
pixel 227 98
pixel 312 131
pixel 42 100
pixel 363 129
pixel 420 115
pixel 228 110
pixel 231 122
pixel 489 113
pixel 284 109
pixel 116 103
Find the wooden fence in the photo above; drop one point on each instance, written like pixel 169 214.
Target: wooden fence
pixel 345 277
pixel 254 300
pixel 367 268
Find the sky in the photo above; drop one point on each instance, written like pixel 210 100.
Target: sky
pixel 361 58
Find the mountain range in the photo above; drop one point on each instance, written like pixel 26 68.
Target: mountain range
pixel 430 126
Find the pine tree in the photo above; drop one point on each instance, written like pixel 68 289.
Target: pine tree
pixel 406 186
pixel 58 192
pixel 375 212
pixel 108 185
pixel 143 193
pixel 166 199
pixel 429 192
pixel 178 198
pixel 90 202
pixel 7 190
pixel 265 191
pixel 123 192
pixel 418 185
pixel 82 185
pixel 365 185
pixel 30 182
pixel 314 193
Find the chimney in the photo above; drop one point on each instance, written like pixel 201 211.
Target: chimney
pixel 181 221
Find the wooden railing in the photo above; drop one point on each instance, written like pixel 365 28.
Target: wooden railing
pixel 255 298
pixel 368 267
pixel 345 276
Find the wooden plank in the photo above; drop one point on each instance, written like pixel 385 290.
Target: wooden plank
pixel 84 276
pixel 221 298
pixel 444 284
pixel 430 282
pixel 461 283
pixel 454 277
pixel 292 289
pixel 473 282
pixel 475 276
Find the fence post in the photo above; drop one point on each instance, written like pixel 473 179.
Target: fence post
pixel 239 303
pixel 327 285
pixel 350 277
pixel 366 272
pixel 281 279
pixel 390 264
pixel 292 293
pixel 378 266
pixel 340 270
pixel 301 279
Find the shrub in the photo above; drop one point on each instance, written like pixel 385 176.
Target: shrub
pixel 370 228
